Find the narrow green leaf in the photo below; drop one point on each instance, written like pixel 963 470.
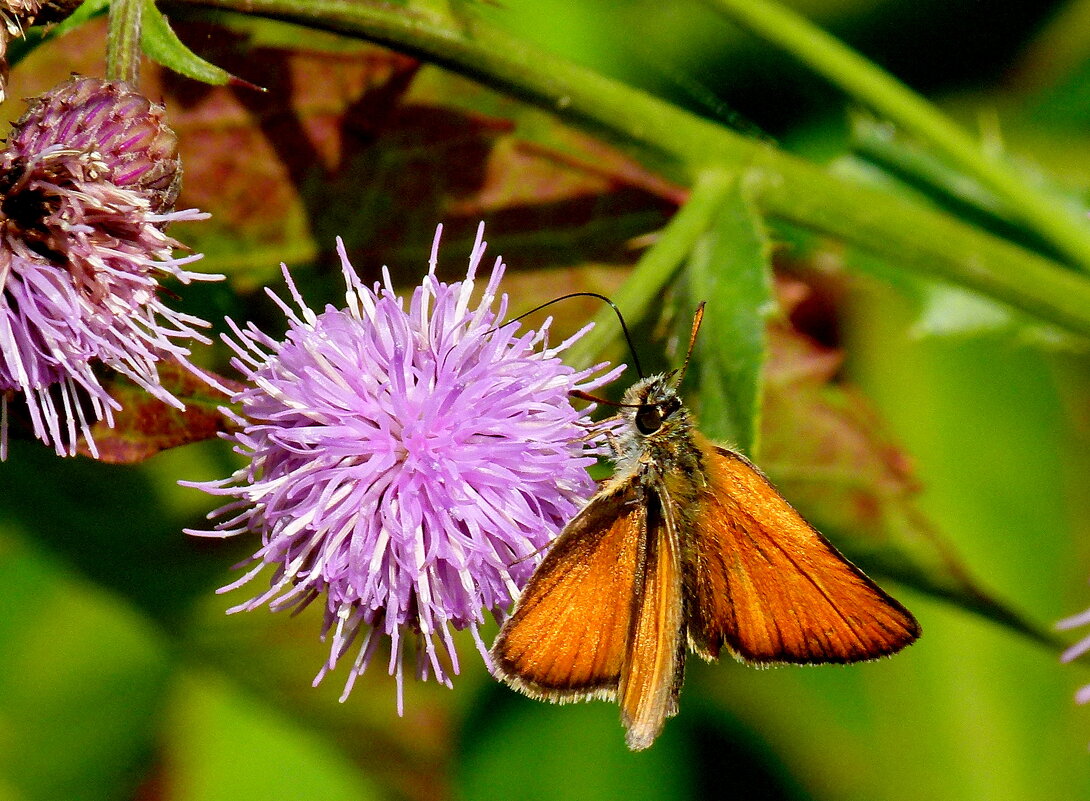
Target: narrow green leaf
pixel 946 311
pixel 164 47
pixel 729 270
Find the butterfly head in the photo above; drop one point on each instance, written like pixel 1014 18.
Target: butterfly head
pixel 652 405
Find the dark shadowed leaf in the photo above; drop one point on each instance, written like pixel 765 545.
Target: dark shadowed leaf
pixel 356 141
pixel 383 153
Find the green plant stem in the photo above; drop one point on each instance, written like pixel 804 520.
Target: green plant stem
pixel 683 146
pixel 871 86
pixel 123 41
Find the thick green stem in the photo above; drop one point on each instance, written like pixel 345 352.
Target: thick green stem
pixel 869 85
pixel 684 146
pixel 123 41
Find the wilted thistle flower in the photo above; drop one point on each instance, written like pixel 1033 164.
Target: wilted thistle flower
pixel 87 185
pixel 18 15
pixel 408 466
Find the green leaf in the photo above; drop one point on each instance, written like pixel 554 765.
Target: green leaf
pixel 224 742
pixel 163 46
pixel 81 677
pixel 729 269
pixel 552 744
pixel 948 311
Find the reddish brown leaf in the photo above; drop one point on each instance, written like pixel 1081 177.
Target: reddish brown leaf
pixel 355 142
pixel 844 464
pixel 145 426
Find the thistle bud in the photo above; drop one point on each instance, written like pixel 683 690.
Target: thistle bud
pixel 127 131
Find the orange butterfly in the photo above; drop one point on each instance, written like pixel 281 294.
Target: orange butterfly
pixel 687 545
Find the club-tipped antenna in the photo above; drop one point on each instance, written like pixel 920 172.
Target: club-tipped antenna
pixel 697 319
pixel 604 299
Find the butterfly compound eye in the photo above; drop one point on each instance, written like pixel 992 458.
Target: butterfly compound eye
pixel 648 418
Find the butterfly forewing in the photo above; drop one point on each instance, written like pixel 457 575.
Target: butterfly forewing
pixel 652 673
pixel 568 635
pixel 764 582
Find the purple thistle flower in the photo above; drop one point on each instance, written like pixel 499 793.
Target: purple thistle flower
pixel 408 464
pixel 1078 649
pixel 87 184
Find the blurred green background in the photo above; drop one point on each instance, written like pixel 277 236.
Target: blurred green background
pixel 121 677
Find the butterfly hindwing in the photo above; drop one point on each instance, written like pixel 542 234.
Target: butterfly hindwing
pixel 765 583
pixel 652 673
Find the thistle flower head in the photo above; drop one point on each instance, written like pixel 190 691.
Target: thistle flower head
pixel 405 464
pixel 135 148
pixel 87 184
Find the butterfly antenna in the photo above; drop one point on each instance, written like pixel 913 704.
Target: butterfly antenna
pixel 604 299
pixel 698 318
pixel 578 393
pixel 547 304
